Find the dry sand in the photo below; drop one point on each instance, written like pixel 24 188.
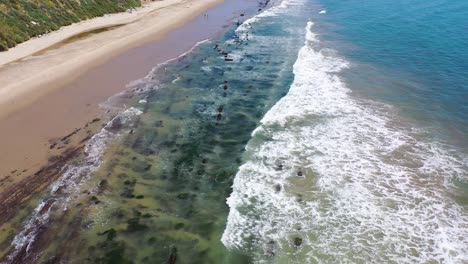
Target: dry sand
pixel 40 100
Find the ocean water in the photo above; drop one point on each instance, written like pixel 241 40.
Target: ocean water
pixel 315 131
pixel 365 159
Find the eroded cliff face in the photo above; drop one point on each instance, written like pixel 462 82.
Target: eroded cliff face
pixel 21 20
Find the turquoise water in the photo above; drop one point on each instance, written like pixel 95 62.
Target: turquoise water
pixel 335 130
pixel 420 51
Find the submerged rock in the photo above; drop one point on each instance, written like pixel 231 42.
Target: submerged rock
pixel 297 241
pixel 179 226
pixel 111 233
pixel 133 225
pixel 277 188
pixel 183 196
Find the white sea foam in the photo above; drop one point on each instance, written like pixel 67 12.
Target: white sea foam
pixel 323 12
pixel 367 191
pixel 245 28
pixel 149 82
pixel 176 80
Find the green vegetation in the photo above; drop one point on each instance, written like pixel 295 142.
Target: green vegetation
pixel 21 20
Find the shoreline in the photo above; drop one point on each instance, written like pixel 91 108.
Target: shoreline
pixel 23 75
pixel 67 98
pixel 80 132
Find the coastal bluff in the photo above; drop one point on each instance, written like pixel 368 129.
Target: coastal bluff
pixel 21 20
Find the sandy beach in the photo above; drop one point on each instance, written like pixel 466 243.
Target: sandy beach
pixel 40 91
pixel 26 71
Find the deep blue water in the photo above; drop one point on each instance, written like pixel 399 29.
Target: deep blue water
pixel 415 53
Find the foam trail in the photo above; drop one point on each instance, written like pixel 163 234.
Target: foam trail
pixel 341 175
pixel 67 187
pixel 149 82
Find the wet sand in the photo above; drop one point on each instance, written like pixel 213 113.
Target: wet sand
pixel 28 134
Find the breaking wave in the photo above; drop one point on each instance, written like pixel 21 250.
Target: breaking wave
pixel 330 178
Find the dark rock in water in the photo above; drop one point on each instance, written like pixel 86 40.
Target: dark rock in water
pixel 218 117
pixel 241 14
pixel 173 256
pixel 159 123
pixel 139 196
pixel 225 87
pixel 216 46
pixel 179 226
pixel 228 59
pixel 130 182
pixel 128 189
pixel 277 188
pixel 225 81
pixel 297 241
pixel 151 240
pixel 220 109
pixel 299 198
pixel 95 200
pixel 183 196
pixel 279 167
pixel 128 193
pixel 133 225
pixel 131 132
pixel 299 173
pixel 204 161
pixel 111 233
pixel 119 213
pixel 103 184
pixel 224 94
pixel 147 215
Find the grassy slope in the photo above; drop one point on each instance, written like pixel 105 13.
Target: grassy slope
pixel 21 20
